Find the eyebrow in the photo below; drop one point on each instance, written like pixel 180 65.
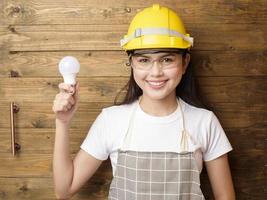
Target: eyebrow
pixel 164 55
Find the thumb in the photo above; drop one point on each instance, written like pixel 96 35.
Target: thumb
pixel 77 87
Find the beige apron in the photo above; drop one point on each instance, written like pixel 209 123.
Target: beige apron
pixel 143 175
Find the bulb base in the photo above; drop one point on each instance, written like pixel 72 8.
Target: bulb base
pixel 70 79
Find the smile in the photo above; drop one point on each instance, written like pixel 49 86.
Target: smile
pixel 156 84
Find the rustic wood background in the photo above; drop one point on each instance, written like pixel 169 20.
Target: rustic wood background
pixel 229 57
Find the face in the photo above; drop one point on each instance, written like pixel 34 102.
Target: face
pixel 158 74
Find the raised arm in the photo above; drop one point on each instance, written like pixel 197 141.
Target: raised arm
pixel 69 175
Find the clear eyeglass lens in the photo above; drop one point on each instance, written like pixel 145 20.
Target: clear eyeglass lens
pixel 146 63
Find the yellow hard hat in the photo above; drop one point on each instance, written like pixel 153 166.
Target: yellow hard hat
pixel 156 27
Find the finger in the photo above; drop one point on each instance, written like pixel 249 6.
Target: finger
pixel 77 85
pixel 71 100
pixel 54 108
pixel 77 88
pixel 66 88
pixel 66 96
pixel 65 109
pixel 60 105
pixel 59 97
pixel 69 106
pixel 58 108
pixel 66 102
pixel 55 105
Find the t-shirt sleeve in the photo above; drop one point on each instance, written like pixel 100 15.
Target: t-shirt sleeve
pixel 95 142
pixel 217 141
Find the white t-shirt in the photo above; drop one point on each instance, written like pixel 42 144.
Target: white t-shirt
pixel 157 134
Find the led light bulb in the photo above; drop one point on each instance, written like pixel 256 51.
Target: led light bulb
pixel 69 67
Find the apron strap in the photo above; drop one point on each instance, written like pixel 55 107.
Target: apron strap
pixel 184 147
pixel 127 139
pixel 185 134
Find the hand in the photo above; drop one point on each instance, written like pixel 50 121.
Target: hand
pixel 66 102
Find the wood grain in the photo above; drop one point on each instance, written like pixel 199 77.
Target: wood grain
pixel 112 63
pixel 35 165
pixel 41 116
pixel 41 140
pixel 42 188
pixel 23 165
pixel 245 188
pixel 101 89
pixel 248 90
pixel 229 60
pixel 122 11
pixel 31 182
pixel 107 37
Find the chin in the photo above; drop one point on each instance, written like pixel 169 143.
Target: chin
pixel 157 97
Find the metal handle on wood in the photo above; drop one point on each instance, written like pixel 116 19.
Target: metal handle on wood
pixel 14 146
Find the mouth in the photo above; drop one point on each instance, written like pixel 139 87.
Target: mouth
pixel 157 84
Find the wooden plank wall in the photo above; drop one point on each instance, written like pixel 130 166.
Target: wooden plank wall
pixel 229 58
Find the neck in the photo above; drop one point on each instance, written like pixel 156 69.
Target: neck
pixel 161 107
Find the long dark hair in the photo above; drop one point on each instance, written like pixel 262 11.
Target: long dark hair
pixel 185 90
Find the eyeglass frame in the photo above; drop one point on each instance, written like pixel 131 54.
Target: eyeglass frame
pixel 132 54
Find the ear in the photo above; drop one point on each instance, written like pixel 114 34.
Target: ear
pixel 186 61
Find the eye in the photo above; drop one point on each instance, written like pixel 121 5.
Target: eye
pixel 167 60
pixel 143 60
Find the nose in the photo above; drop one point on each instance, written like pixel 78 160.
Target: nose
pixel 156 69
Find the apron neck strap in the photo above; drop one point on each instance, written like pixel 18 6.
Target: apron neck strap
pixel 184 138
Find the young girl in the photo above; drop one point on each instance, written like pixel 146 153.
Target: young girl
pixel 159 136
